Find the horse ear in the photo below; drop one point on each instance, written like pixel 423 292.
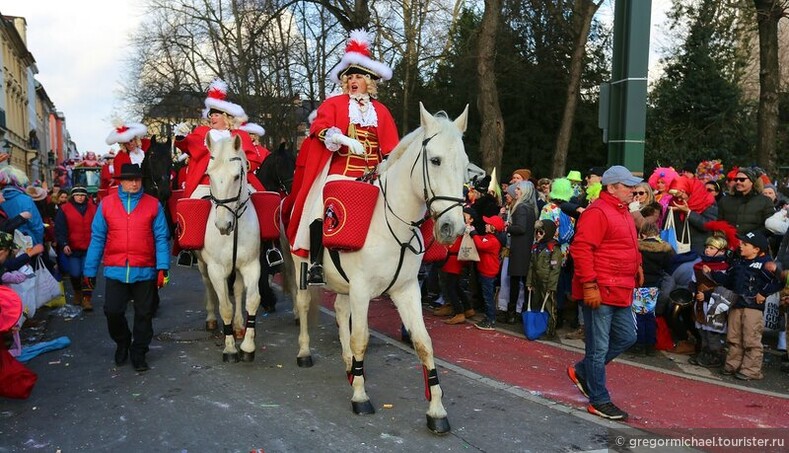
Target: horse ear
pixel 426 118
pixel 237 142
pixel 462 121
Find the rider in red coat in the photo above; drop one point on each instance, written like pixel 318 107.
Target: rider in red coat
pixel 130 138
pixel 351 134
pixel 224 119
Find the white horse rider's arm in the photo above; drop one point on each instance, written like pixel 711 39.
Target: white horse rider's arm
pixel 334 138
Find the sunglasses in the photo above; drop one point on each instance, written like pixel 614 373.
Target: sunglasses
pixel 539 232
pixel 740 179
pixel 639 193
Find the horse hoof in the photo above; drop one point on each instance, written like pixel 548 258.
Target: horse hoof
pixel 238 334
pixel 304 362
pixel 226 357
pixel 210 326
pixel 363 408
pixel 438 426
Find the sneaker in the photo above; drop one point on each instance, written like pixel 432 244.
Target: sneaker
pixel 485 325
pixel 744 377
pixel 580 383
pixel 607 410
pixel 727 372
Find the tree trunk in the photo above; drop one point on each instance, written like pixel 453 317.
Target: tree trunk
pixel 582 22
pixel 491 141
pixel 768 12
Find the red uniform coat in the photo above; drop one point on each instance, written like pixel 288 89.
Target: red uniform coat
pixel 313 154
pixel 105 178
pixel 199 156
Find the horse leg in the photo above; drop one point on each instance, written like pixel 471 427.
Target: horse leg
pixel 408 304
pixel 342 309
pixel 301 307
pixel 238 312
pixel 210 297
pixel 250 275
pixel 360 335
pixel 217 274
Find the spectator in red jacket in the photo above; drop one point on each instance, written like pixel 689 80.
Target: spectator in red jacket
pixel 488 246
pixel 72 230
pixel 458 304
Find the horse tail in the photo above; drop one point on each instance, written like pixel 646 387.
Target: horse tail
pixel 289 280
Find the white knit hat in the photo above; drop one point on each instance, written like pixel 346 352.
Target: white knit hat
pixel 217 93
pixel 253 128
pixel 125 132
pixel 358 59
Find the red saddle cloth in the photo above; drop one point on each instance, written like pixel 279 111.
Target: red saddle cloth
pixel 172 202
pixel 191 219
pixel 267 208
pixel 347 210
pixel 433 250
pixel 16 380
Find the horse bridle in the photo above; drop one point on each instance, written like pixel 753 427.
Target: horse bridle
pixel 457 202
pixel 224 202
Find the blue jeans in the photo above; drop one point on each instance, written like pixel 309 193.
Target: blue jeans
pixel 488 285
pixel 609 332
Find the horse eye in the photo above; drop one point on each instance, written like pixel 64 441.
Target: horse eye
pixel 435 160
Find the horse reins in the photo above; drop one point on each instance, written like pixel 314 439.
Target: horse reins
pixel 416 224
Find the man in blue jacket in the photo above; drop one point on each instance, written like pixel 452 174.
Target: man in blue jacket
pixel 16 202
pixel 129 236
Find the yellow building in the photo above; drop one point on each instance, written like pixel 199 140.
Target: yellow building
pixel 31 130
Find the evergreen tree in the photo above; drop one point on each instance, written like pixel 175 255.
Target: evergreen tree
pixel 696 110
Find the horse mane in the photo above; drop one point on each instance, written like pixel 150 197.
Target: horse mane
pixel 409 139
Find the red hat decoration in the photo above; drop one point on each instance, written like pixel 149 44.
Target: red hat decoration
pixel 216 99
pixel 358 58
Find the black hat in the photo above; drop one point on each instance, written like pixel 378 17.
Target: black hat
pixel 597 171
pixel 481 185
pixel 690 166
pixel 130 171
pixel 756 239
pixel 78 190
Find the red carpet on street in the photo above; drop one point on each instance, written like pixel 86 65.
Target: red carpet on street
pixel 653 399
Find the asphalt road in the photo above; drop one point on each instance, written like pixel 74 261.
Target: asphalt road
pixel 190 401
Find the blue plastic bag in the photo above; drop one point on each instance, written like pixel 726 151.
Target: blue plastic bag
pixel 535 323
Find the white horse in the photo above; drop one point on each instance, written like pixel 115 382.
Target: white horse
pixel 424 172
pixel 232 246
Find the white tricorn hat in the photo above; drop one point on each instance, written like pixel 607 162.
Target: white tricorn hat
pixel 358 59
pixel 253 128
pixel 216 100
pixel 125 132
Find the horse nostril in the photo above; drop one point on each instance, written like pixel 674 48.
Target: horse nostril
pixel 446 230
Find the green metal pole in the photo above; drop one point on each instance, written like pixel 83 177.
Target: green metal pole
pixel 628 88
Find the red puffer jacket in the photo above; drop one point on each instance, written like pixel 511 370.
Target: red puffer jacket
pixel 605 250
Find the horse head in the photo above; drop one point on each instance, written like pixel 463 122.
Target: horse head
pixel 276 171
pixel 444 163
pixel 227 172
pixel 156 168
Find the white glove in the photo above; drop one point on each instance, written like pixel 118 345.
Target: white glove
pixel 635 206
pixel 182 129
pixel 354 146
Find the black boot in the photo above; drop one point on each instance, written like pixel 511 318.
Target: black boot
pixel 315 277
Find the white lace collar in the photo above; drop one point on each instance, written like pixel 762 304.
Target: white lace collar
pixel 361 110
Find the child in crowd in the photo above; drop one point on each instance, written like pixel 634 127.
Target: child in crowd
pixel 457 303
pixel 712 331
pixel 488 246
pixel 656 256
pixel 752 282
pixel 546 264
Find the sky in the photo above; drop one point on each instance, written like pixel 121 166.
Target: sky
pixel 79 48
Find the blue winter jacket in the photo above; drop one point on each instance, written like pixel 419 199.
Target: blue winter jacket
pixel 16 202
pixel 127 274
pixel 746 278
